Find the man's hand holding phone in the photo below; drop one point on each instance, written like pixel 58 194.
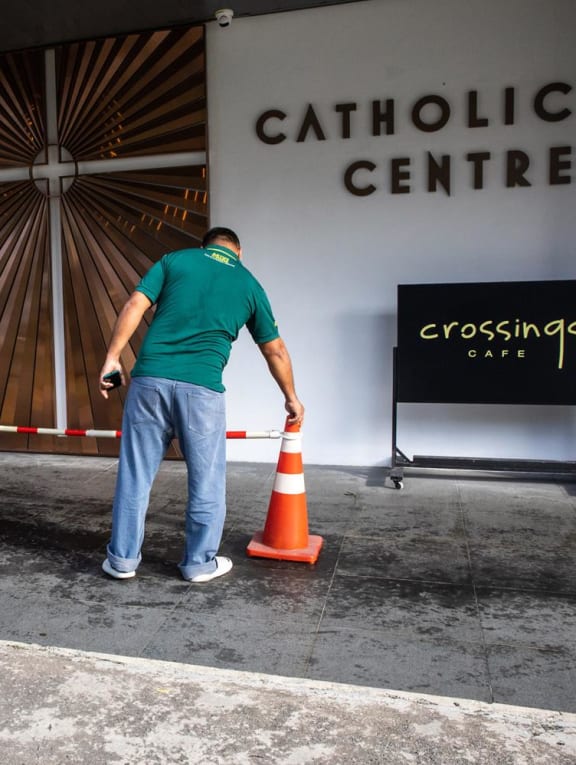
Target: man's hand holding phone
pixel 110 380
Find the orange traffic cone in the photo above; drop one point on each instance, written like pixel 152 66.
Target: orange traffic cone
pixel 285 535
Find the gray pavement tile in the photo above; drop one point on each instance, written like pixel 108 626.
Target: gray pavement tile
pixel 50 535
pixel 248 472
pixel 569 489
pixel 78 576
pixel 533 678
pixel 437 521
pixel 406 556
pixel 402 608
pixel 14 603
pixel 321 508
pixel 65 586
pixel 64 483
pixel 28 563
pixel 517 494
pixel 88 626
pixel 50 461
pixel 552 535
pixel 439 667
pixel 330 486
pixel 231 641
pixel 505 521
pixel 543 621
pixel 421 491
pixel 66 600
pixel 17 504
pixel 56 523
pixel 524 564
pixel 148 588
pixel 261 594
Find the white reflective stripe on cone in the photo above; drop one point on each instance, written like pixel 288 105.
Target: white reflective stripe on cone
pixel 291 446
pixel 286 483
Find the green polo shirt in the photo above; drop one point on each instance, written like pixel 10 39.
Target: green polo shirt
pixel 204 297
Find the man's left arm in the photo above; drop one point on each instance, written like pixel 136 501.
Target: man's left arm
pixel 126 324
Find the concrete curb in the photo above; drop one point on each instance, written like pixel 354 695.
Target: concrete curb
pixel 61 705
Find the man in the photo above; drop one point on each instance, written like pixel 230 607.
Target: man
pixel 203 298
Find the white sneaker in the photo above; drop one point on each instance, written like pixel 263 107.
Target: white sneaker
pixel 108 569
pixel 223 566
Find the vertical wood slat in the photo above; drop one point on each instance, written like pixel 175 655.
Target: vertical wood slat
pixel 22 128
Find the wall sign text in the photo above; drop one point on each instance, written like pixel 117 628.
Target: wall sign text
pixel 551 103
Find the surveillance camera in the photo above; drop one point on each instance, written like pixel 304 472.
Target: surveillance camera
pixel 224 17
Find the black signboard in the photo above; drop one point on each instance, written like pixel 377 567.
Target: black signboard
pixel 488 343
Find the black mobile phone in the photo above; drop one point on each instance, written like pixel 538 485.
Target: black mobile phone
pixel 115 378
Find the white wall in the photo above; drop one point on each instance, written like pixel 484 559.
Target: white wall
pixel 331 261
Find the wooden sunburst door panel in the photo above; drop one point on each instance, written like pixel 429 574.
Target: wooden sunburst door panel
pixel 102 171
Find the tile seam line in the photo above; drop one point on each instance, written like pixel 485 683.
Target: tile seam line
pixel 475 594
pixel 169 611
pixel 330 584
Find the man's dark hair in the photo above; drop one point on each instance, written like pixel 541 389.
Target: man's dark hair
pixel 220 233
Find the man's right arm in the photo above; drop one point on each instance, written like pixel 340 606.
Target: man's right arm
pixel 280 366
pixel 128 320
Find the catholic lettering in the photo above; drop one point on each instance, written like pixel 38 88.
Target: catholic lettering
pixel 551 103
pixel 428 114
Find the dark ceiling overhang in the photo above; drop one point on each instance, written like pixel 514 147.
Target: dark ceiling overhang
pixel 40 23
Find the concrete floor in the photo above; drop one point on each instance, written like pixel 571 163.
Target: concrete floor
pixel 456 586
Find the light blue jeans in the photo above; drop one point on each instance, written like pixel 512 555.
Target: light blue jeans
pixel 156 411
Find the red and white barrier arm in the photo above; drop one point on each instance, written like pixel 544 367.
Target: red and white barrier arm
pixel 253 434
pixel 234 434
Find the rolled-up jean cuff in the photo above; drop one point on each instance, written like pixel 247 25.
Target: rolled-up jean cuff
pixel 125 565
